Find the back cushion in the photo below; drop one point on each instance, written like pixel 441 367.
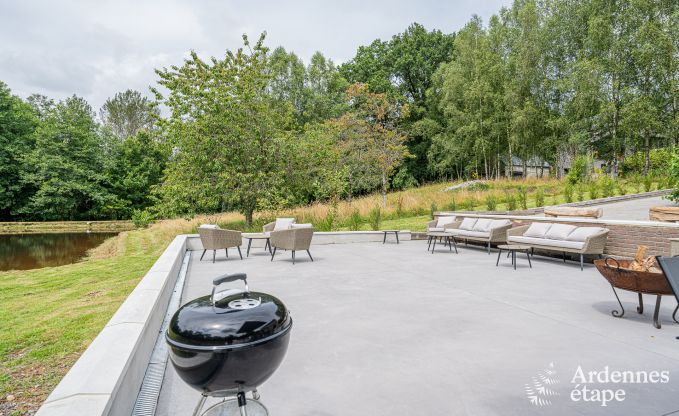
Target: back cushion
pixel 305 225
pixel 445 220
pixel 559 231
pixel 483 224
pixel 499 223
pixel 283 223
pixel 581 233
pixel 537 230
pixel 468 224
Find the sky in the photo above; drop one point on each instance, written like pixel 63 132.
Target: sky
pixel 96 48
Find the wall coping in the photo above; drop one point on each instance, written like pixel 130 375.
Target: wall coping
pixel 531 218
pixel 100 382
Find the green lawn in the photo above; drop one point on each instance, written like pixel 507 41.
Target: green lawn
pixel 49 316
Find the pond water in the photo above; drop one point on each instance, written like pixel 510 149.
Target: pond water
pixel 33 251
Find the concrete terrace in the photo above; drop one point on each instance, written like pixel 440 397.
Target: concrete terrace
pixel 395 330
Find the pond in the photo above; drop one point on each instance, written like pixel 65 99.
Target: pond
pixel 33 251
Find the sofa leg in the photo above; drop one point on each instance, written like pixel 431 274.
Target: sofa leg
pixel 293 256
pixel 309 253
pixel 214 253
pixel 201 256
pixel 273 253
pixel 239 253
pixel 582 262
pixel 226 250
pixel 489 247
pixel 532 251
pixel 564 256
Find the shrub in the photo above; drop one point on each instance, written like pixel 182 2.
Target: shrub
pixel 622 187
pixel 577 170
pixel 593 189
pixel 452 206
pixel 355 220
pixel 647 181
pixel 607 186
pixel 491 202
pixel 523 197
pixel 469 203
pixel 660 159
pixel 142 218
pixel 568 193
pixel 674 177
pixel 510 200
pixel 539 197
pixel 327 223
pixel 580 192
pixel 375 218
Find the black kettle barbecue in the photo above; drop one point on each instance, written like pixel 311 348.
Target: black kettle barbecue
pixel 228 343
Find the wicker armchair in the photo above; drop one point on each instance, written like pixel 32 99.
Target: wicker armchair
pixel 293 239
pixel 216 239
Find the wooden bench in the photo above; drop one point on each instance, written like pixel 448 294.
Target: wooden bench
pixel 588 212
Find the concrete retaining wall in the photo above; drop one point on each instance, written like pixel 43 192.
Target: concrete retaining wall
pixel 623 238
pixel 107 377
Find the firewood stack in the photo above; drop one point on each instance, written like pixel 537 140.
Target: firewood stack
pixel 642 263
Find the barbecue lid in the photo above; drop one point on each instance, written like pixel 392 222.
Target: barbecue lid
pixel 233 318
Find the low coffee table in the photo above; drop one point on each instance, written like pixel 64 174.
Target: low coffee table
pixel 395 232
pixel 447 237
pixel 513 248
pixel 257 236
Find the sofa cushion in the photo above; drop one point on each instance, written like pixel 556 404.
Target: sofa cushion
pixel 210 226
pixel 283 223
pixel 483 225
pixel 559 231
pixel 441 221
pixel 499 223
pixel 436 229
pixel 305 225
pixel 545 242
pixel 468 224
pixel 537 229
pixel 473 234
pixel 581 233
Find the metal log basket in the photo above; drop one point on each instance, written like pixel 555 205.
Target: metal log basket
pixel 619 276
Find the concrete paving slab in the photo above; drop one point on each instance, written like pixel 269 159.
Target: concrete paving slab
pixel 395 330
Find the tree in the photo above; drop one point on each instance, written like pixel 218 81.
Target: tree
pixel 65 169
pixel 227 131
pixel 377 119
pixel 17 123
pixel 127 113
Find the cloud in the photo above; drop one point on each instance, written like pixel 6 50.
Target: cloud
pixel 95 49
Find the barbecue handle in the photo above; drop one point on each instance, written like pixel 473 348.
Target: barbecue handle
pixel 228 278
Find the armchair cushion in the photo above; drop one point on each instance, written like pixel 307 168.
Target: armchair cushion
pixel 499 223
pixel 305 225
pixel 210 226
pixel 560 231
pixel 582 233
pixel 283 224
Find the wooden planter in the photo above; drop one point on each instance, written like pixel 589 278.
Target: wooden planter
pixel 617 274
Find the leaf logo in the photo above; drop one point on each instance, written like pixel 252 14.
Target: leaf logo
pixel 538 391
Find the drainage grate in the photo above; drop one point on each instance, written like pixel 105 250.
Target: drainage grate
pixel 147 400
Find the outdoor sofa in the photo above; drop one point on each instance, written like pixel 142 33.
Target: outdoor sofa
pixel 565 238
pixel 484 230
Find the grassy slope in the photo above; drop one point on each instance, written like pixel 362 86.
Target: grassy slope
pixel 49 316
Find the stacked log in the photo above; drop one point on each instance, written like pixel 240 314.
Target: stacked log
pixel 643 263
